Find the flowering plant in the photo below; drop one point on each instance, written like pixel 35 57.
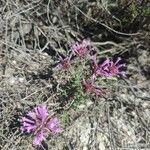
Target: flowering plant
pixel 81 48
pixel 38 122
pixel 85 80
pixel 81 82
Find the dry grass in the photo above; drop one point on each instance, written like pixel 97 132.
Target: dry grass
pixel 32 33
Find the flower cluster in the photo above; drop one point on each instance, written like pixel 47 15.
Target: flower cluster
pixel 38 122
pixel 108 68
pixel 78 48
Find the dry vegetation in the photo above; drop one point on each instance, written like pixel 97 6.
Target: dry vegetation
pixel 32 33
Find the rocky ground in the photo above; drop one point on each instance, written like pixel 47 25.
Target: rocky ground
pixel 31 36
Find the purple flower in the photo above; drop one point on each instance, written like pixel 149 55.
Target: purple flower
pixel 107 69
pixel 113 68
pixel 99 69
pixel 81 48
pixel 64 62
pixel 89 87
pixel 38 122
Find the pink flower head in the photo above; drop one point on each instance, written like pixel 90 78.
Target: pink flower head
pixel 106 69
pixel 89 87
pixel 38 122
pixel 81 48
pixel 64 62
pixel 114 67
pixel 99 69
